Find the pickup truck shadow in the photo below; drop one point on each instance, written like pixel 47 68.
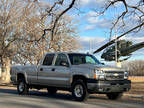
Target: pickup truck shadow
pixel 61 96
pixel 41 94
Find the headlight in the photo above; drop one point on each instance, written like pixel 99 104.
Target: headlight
pixel 99 74
pixel 125 75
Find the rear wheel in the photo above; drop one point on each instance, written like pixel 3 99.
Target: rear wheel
pixel 79 90
pixel 114 96
pixel 51 90
pixel 22 87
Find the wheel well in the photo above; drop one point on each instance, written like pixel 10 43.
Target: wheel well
pixel 79 77
pixel 20 76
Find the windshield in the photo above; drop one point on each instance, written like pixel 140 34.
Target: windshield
pixel 77 59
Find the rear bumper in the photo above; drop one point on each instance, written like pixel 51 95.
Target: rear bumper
pixel 95 86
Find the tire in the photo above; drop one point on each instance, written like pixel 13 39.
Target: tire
pixel 114 96
pixel 51 91
pixel 22 87
pixel 79 91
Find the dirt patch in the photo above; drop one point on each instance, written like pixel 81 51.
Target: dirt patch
pixel 137 88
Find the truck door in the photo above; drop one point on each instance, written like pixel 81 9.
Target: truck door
pixel 45 71
pixel 62 70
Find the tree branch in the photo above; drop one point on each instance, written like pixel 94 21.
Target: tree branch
pixel 58 17
pixel 113 41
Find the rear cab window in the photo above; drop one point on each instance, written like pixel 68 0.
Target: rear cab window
pixel 61 58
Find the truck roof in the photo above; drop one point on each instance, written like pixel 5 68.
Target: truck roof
pixel 65 53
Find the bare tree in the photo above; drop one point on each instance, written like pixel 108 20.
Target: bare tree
pixel 131 12
pixel 15 19
pixel 135 68
pixel 23 31
pixel 53 12
pixel 129 19
pixel 65 40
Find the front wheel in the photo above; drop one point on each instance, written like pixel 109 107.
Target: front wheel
pixel 79 91
pixel 114 96
pixel 22 87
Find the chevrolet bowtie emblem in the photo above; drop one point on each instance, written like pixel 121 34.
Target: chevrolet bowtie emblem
pixel 116 74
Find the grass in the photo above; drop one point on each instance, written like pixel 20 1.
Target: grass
pixel 137 85
pixel 137 88
pixel 136 79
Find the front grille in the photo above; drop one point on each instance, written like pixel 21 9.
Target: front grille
pixel 114 75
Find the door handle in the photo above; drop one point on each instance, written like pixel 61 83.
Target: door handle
pixel 41 69
pixel 53 69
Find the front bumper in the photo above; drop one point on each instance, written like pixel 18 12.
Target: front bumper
pixel 97 86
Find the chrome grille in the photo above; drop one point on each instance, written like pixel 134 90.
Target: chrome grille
pixel 114 75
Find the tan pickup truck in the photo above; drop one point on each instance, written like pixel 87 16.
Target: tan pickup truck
pixel 79 73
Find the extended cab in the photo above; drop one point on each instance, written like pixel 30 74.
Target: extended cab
pixel 79 73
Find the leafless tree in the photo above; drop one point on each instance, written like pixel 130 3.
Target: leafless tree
pixel 53 12
pixel 131 12
pixel 23 30
pixel 129 18
pixel 16 20
pixel 65 40
pixel 135 68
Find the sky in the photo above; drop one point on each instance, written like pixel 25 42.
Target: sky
pixel 95 29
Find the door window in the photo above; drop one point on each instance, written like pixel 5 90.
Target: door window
pixel 48 59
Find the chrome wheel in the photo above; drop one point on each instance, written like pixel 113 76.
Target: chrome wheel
pixel 21 86
pixel 78 90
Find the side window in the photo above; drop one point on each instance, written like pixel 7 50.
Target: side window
pixel 48 59
pixel 61 58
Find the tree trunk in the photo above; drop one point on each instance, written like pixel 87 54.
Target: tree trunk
pixel 5 70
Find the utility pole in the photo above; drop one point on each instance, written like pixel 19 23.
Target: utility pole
pixel 116 58
pixel 118 63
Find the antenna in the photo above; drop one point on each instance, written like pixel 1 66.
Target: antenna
pixel 90 46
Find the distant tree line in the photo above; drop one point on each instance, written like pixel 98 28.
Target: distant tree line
pixel 135 67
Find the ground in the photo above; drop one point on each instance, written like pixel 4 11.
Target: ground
pixel 9 98
pixel 137 88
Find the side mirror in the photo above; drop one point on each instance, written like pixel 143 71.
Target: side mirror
pixel 102 63
pixel 63 63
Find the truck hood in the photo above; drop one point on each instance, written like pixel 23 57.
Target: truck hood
pixel 100 67
pixel 107 68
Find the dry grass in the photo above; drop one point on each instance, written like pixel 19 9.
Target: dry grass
pixel 137 85
pixel 137 78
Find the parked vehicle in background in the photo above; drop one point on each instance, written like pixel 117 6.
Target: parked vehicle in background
pixel 82 74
